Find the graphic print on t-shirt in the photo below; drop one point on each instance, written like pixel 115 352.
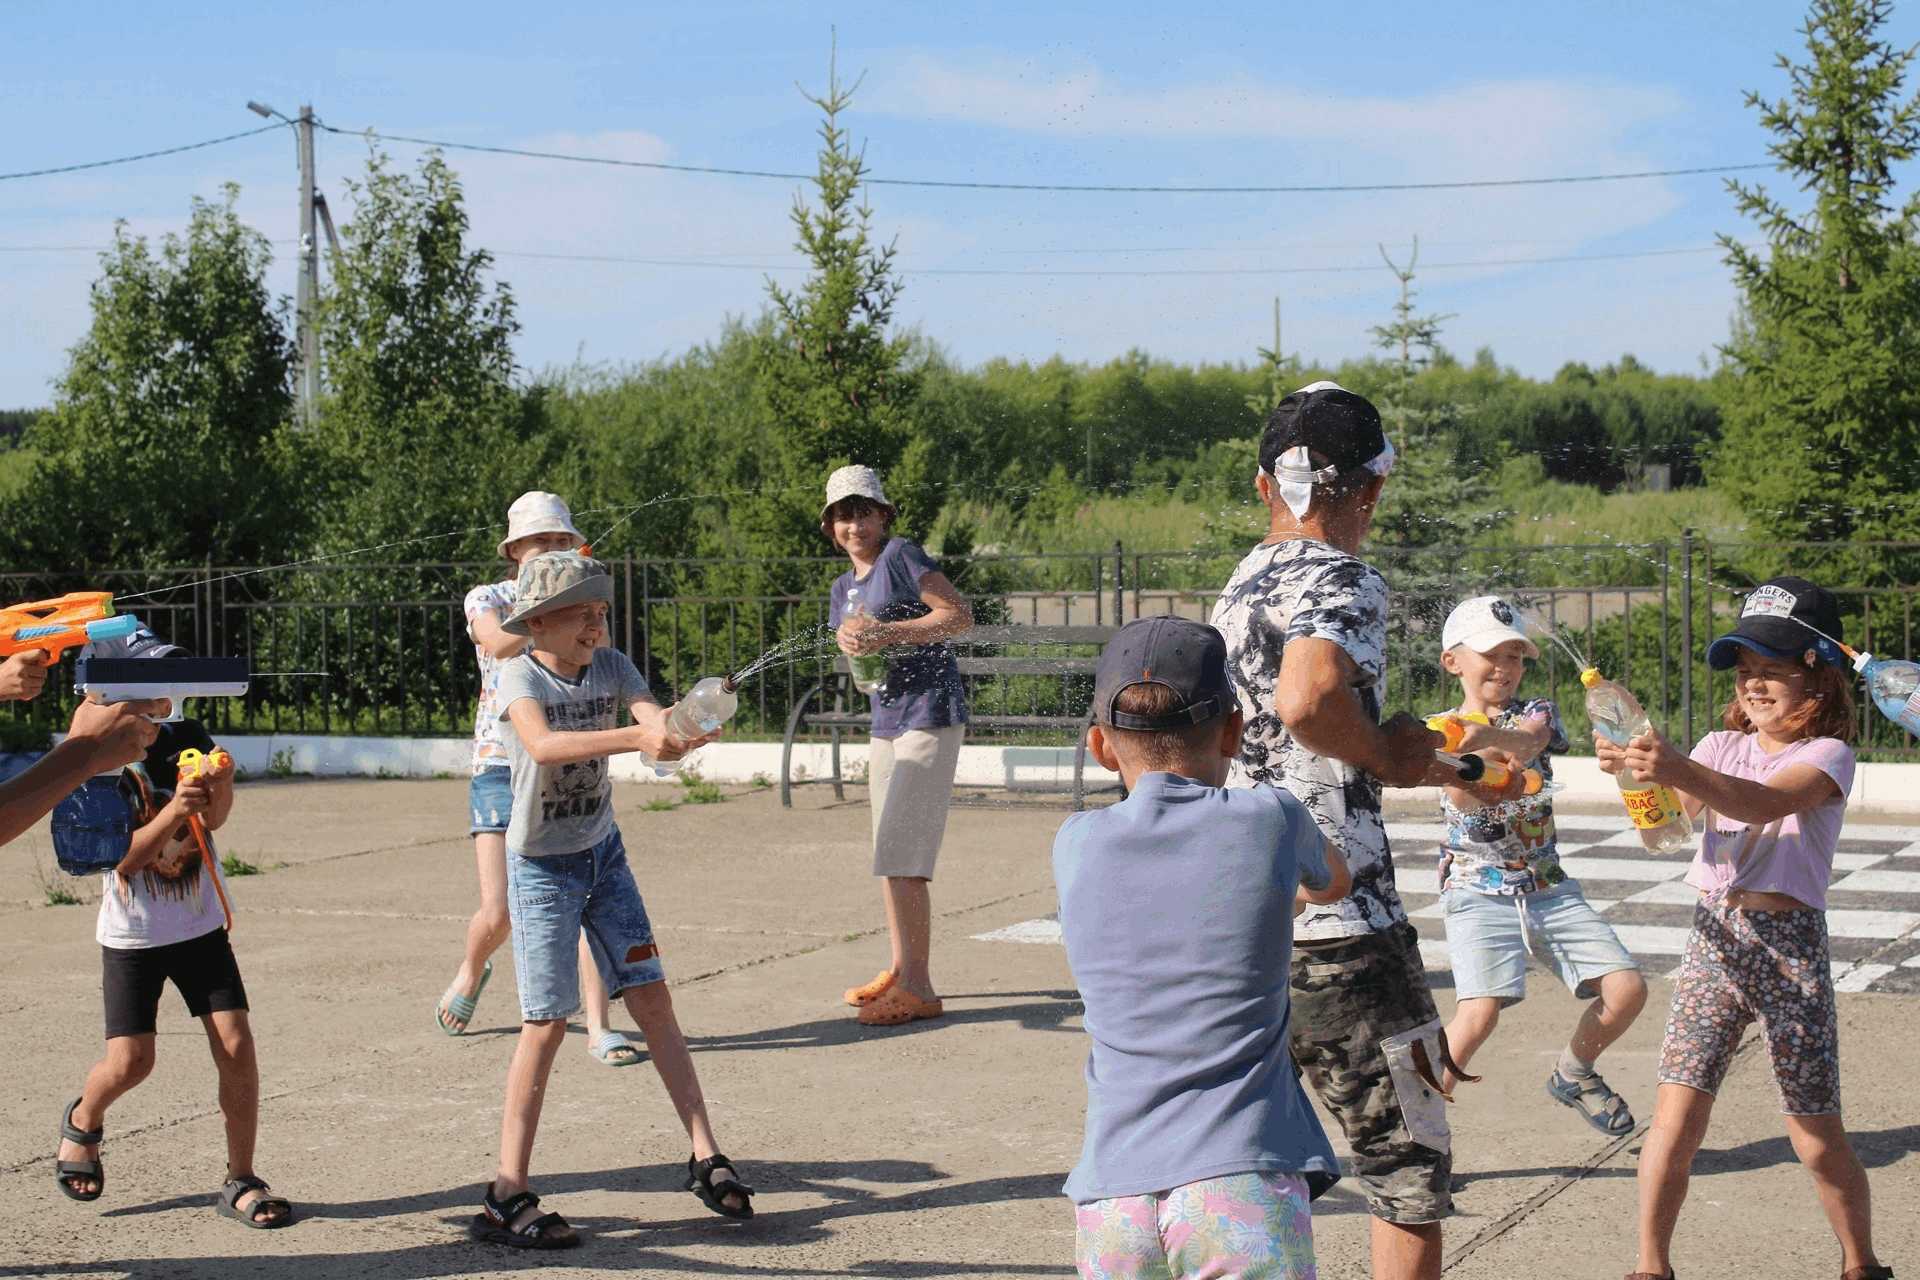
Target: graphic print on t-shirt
pixel 1285 591
pixel 1488 854
pixel 577 790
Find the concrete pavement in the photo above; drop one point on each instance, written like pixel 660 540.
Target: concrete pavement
pixel 934 1150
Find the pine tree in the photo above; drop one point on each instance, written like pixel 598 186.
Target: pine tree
pixel 833 379
pixel 1821 434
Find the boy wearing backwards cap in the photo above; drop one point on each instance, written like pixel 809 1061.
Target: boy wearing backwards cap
pixel 1176 905
pixel 1501 883
pixel 567 872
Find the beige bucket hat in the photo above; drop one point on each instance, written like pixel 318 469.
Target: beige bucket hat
pixel 554 580
pixel 854 482
pixel 538 511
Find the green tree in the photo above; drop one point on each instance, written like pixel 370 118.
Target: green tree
pixel 422 431
pixel 1821 436
pixel 834 381
pixel 166 441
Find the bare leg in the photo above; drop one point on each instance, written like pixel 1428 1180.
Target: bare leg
pixel 593 1001
pixel 129 1060
pixel 910 925
pixel 230 1036
pixel 526 1090
pixel 1821 1143
pixel 1406 1252
pixel 490 925
pixel 1473 1021
pixel 1623 993
pixel 1680 1116
pixel 652 1008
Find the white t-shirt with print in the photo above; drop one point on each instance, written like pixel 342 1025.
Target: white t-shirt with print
pixel 564 808
pixel 173 900
pixel 1282 592
pixel 497 598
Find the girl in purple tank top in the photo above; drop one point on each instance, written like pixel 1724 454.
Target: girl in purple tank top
pixel 1773 787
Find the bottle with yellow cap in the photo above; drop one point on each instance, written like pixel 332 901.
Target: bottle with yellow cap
pixel 1655 809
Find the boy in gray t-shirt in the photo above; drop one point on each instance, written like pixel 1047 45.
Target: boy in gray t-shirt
pixel 567 874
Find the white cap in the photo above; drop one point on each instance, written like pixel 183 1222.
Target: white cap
pixel 853 482
pixel 537 511
pixel 1484 623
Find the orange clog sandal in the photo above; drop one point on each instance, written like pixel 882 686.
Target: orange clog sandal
pixel 861 997
pixel 898 1006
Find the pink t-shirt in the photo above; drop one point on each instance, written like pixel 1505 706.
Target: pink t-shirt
pixel 1792 856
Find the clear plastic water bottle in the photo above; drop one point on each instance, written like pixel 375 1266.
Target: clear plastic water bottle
pixel 707 706
pixel 869 669
pixel 1894 686
pixel 1656 811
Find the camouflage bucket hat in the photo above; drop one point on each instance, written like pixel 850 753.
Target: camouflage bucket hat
pixel 554 581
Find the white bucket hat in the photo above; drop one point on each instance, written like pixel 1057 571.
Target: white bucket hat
pixel 538 511
pixel 854 482
pixel 1483 624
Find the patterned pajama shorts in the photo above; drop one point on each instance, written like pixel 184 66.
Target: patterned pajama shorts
pixel 1244 1226
pixel 1769 966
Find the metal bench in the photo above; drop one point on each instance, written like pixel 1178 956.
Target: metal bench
pixel 832 691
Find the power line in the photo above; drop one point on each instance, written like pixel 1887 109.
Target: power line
pixel 914 182
pixel 1049 186
pixel 144 155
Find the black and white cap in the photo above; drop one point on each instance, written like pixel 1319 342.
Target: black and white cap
pixel 1322 418
pixel 1783 619
pixel 1186 656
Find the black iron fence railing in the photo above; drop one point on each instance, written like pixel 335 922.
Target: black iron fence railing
pixel 382 649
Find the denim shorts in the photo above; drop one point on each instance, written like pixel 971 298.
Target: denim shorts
pixel 1491 935
pixel 552 902
pixel 491 796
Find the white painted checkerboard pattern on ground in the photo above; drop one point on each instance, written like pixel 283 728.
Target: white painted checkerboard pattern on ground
pixel 1873 914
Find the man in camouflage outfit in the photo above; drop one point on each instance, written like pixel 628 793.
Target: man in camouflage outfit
pixel 1305 623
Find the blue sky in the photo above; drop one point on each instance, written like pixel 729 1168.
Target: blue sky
pixel 1113 93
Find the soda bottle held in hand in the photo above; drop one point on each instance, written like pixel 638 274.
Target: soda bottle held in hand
pixel 707 706
pixel 1663 825
pixel 1894 686
pixel 869 670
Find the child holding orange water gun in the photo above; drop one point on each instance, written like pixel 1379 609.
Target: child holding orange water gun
pixel 1501 883
pixel 164 917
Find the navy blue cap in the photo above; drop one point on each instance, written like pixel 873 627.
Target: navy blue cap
pixel 1187 657
pixel 1783 618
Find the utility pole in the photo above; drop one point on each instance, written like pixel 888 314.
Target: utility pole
pixel 306 336
pixel 307 292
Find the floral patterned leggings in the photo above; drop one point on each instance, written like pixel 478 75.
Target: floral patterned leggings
pixel 1244 1226
pixel 1773 966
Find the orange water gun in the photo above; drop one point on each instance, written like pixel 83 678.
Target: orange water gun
pixel 1473 768
pixel 62 623
pixel 192 764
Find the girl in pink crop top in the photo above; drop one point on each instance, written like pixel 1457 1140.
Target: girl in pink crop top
pixel 1773 786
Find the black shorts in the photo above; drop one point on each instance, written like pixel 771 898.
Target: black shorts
pixel 202 969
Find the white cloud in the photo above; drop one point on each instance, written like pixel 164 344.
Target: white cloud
pixel 1494 129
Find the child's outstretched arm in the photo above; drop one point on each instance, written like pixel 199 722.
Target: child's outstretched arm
pixel 150 841
pixel 647 733
pixel 1651 757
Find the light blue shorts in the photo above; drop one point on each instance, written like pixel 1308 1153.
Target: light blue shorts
pixel 1489 937
pixel 554 900
pixel 490 796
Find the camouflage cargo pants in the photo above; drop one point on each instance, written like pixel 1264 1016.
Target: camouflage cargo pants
pixel 1364 1030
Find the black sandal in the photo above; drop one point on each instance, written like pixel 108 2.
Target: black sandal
pixel 700 1182
pixel 229 1205
pixel 495 1224
pixel 65 1169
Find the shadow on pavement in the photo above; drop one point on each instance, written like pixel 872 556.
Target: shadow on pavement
pixel 1048 1014
pixel 623 1245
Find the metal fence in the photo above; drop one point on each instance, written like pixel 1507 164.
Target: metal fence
pixel 382 649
